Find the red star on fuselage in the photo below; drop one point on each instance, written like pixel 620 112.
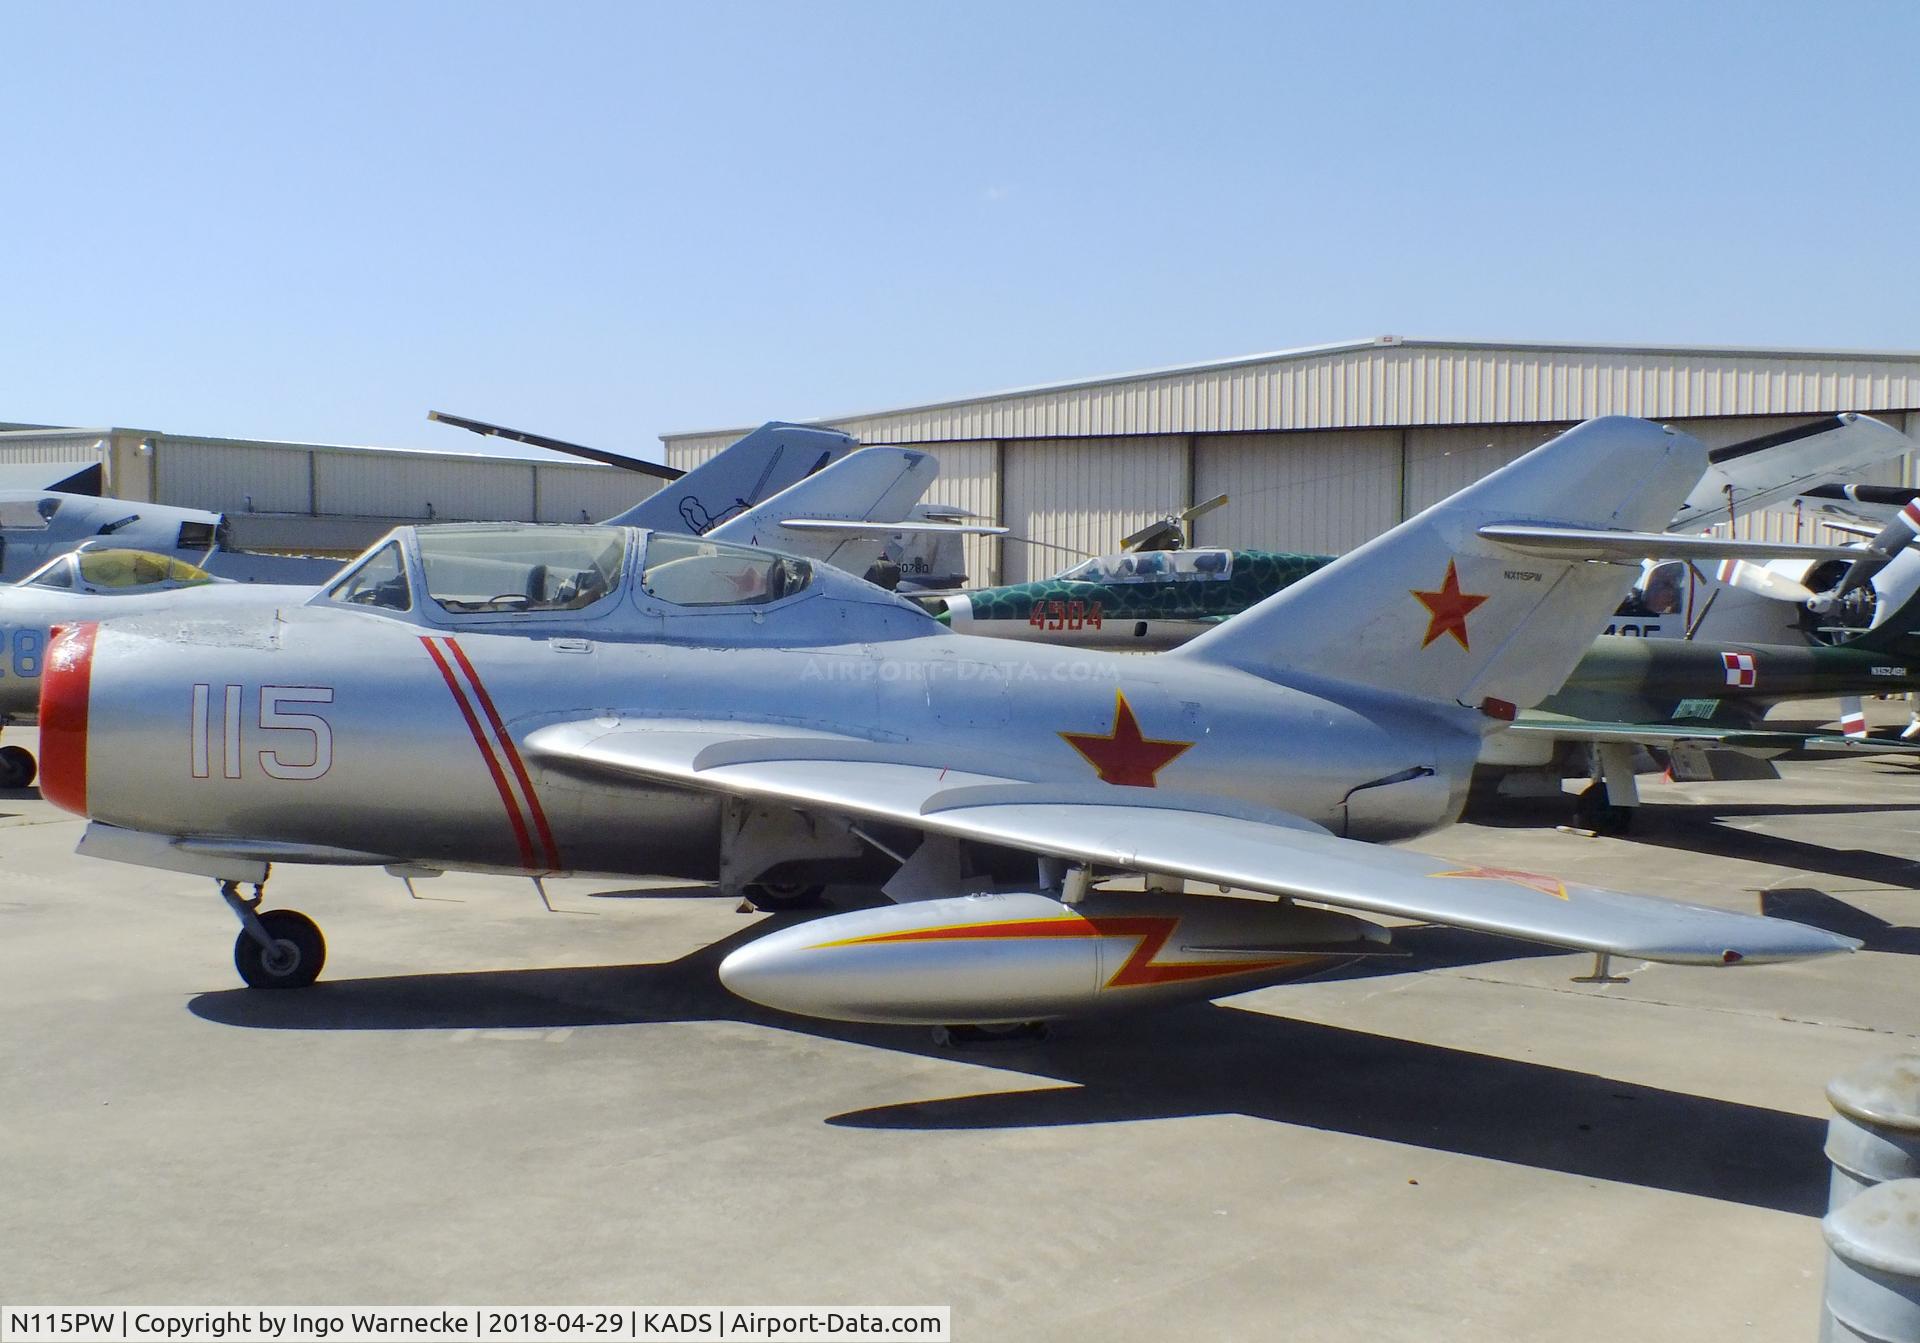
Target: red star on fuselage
pixel 1448 609
pixel 1123 756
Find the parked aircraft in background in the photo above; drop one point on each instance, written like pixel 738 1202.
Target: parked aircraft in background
pixel 38 525
pixel 826 515
pixel 1155 599
pixel 685 707
pixel 918 542
pixel 1150 599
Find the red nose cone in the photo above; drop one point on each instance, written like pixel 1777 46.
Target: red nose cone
pixel 64 691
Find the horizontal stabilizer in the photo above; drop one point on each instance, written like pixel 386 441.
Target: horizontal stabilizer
pixel 1203 838
pixel 1675 734
pixel 1604 544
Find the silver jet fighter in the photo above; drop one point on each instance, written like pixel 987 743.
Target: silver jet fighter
pixel 676 706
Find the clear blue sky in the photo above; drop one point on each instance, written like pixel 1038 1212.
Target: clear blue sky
pixel 605 221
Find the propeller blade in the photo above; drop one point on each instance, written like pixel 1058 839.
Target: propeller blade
pixel 1201 510
pixel 1895 537
pixel 1154 535
pixel 1759 579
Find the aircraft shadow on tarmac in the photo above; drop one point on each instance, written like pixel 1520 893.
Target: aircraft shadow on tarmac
pixel 1198 1060
pixel 1692 828
pixel 1803 904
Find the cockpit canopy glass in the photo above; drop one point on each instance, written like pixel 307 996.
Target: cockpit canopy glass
pixel 1148 566
pixel 470 570
pixel 117 570
pixel 378 580
pixel 688 571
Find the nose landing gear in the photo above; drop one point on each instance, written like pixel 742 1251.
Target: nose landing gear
pixel 280 949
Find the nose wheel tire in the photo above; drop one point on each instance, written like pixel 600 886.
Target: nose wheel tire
pixel 17 767
pixel 292 962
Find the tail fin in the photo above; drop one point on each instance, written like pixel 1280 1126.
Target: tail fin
pixel 829 515
pixel 746 472
pixel 1436 611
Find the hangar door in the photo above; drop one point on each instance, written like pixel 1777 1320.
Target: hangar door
pixel 1444 460
pixel 1068 498
pixel 1321 493
pixel 969 479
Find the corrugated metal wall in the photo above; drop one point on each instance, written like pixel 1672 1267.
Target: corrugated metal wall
pixel 688 451
pixel 239 477
pixel 405 486
pixel 1317 492
pixel 224 476
pixel 26 448
pixel 1440 461
pixel 1079 497
pixel 568 492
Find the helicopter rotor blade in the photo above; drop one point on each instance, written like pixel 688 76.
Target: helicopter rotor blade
pixel 601 455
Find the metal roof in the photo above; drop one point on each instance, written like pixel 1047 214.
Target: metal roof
pixel 1389 381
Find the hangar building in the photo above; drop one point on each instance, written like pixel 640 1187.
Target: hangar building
pixel 1324 447
pixel 313 497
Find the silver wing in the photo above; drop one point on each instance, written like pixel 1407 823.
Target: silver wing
pixel 1145 830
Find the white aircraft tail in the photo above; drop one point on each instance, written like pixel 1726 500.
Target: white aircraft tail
pixel 746 472
pixel 831 516
pixel 935 560
pixel 1436 611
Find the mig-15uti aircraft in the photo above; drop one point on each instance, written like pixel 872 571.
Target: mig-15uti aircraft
pixel 678 706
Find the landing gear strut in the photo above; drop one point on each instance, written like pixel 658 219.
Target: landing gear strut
pixel 280 949
pixel 17 767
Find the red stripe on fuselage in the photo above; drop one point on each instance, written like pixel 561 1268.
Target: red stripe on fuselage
pixel 486 754
pixel 66 688
pixel 511 752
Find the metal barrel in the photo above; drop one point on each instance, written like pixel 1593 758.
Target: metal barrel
pixel 1874 1135
pixel 1873 1266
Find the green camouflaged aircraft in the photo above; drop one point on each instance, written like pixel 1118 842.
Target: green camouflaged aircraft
pixel 1141 599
